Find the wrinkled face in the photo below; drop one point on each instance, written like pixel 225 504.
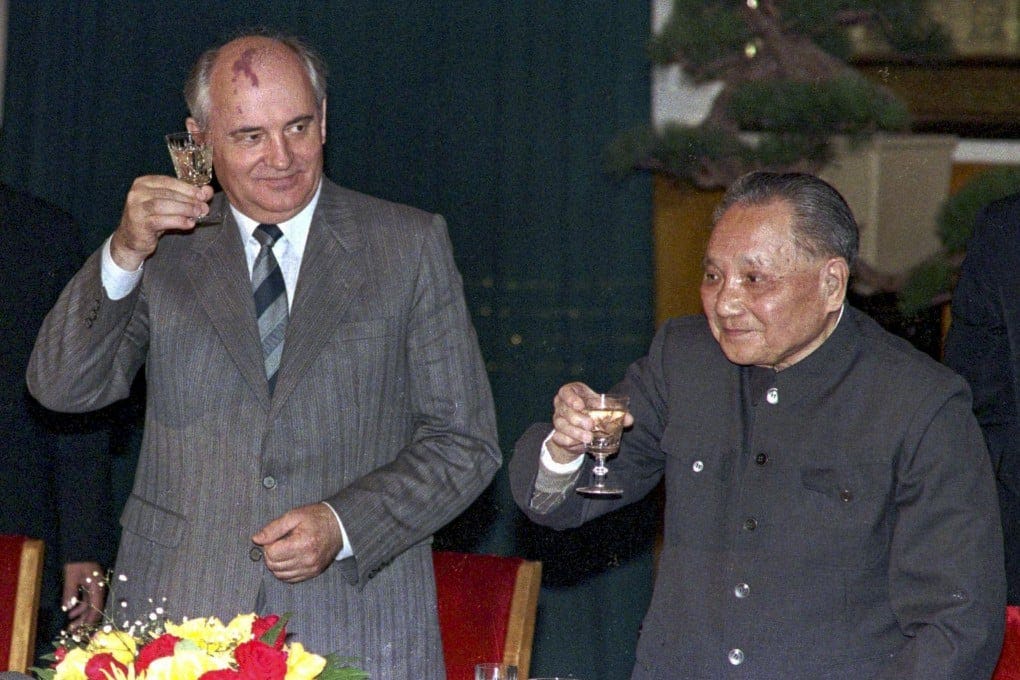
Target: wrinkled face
pixel 266 130
pixel 768 302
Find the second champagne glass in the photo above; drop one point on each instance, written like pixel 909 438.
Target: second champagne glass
pixel 192 156
pixel 495 671
pixel 608 411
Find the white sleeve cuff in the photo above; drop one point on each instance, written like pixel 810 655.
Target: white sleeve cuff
pixel 117 282
pixel 558 468
pixel 346 551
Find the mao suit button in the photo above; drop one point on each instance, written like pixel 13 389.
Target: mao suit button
pixel 736 656
pixel 742 590
pixel 761 458
pixel 698 466
pixel 269 482
pixel 750 524
pixel 772 396
pixel 255 554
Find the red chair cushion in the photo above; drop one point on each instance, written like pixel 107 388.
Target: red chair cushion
pixel 10 567
pixel 1008 667
pixel 474 594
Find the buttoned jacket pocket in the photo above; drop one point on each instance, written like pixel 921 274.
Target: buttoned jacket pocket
pixel 845 512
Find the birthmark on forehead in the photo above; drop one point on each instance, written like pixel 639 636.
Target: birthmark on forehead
pixel 243 67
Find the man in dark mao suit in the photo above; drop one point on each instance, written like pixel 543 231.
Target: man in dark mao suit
pixel 54 469
pixel 318 497
pixel 983 345
pixel 830 510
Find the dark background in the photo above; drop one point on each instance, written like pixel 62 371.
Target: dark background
pixel 494 114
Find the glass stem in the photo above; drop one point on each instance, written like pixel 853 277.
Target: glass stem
pixel 600 471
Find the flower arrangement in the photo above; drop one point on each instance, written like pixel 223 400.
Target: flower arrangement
pixel 249 647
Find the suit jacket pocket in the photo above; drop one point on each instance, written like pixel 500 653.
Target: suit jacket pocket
pixel 363 330
pixel 150 521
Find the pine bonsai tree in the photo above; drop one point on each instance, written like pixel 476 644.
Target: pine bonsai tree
pixel 787 89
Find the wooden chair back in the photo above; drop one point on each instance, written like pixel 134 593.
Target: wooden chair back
pixel 21 567
pixel 487 609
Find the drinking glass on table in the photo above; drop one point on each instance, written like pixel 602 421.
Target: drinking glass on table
pixel 495 671
pixel 192 156
pixel 607 411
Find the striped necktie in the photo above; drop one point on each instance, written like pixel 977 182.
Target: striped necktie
pixel 270 299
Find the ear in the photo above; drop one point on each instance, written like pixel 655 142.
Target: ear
pixel 835 277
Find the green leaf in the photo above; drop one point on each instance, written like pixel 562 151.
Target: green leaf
pixel 269 637
pixel 339 668
pixel 43 673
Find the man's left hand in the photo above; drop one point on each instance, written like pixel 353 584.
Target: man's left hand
pixel 84 593
pixel 301 543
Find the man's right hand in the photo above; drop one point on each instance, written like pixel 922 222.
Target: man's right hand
pixel 571 425
pixel 155 204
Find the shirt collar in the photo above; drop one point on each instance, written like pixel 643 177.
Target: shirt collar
pixel 295 229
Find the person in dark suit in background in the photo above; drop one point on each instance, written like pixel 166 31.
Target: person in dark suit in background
pixel 55 469
pixel 830 509
pixel 301 470
pixel 983 345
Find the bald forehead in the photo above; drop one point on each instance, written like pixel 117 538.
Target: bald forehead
pixel 246 62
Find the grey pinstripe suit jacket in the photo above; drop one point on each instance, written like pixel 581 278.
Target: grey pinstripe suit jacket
pixel 382 408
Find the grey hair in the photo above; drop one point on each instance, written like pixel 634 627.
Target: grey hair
pixel 196 87
pixel 823 224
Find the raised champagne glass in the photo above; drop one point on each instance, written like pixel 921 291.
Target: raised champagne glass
pixel 192 156
pixel 607 411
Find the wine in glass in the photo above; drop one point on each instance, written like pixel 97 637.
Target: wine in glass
pixel 192 157
pixel 607 411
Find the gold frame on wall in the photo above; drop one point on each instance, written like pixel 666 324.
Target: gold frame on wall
pixel 975 92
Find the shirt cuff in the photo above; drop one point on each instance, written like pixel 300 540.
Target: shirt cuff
pixel 558 468
pixel 118 283
pixel 345 551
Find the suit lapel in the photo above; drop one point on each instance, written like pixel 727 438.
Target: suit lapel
pixel 331 274
pixel 218 270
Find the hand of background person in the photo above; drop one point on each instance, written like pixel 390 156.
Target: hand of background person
pixel 84 593
pixel 155 204
pixel 301 543
pixel 571 426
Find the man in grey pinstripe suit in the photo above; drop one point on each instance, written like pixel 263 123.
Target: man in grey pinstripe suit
pixel 320 496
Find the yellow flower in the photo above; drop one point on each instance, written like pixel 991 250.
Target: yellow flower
pixel 118 643
pixel 302 665
pixel 72 667
pixel 208 633
pixel 187 663
pixel 239 627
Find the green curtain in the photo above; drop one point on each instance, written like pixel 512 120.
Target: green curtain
pixel 494 114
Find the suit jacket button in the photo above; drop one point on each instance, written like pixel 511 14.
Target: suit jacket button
pixel 750 524
pixel 736 656
pixel 255 554
pixel 269 482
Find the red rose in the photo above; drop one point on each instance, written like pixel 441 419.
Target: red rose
pixel 225 674
pixel 58 655
pixel 261 625
pixel 258 661
pixel 101 667
pixel 157 649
